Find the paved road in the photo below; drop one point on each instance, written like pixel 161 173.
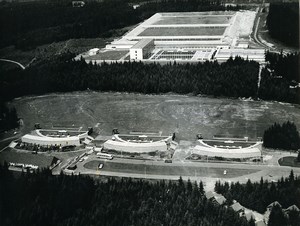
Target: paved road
pixel 15 62
pixel 209 172
pixel 256 26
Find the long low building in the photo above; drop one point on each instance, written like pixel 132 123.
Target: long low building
pixel 184 37
pixel 138 143
pixel 55 138
pixel 223 55
pixel 229 150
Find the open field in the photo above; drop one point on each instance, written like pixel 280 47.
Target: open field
pixel 167 169
pixel 194 20
pixel 185 115
pixel 183 31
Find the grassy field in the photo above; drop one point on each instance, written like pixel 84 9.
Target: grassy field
pixel 289 161
pixel 183 31
pixel 185 115
pixel 167 169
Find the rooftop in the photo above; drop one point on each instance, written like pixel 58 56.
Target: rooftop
pixel 182 31
pixel 237 207
pixel 142 43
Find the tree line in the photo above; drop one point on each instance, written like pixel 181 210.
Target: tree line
pixel 42 199
pixel 27 25
pixel 283 22
pixel 258 195
pixel 279 218
pixel 234 78
pixel 285 136
pixel 8 117
pixel 280 78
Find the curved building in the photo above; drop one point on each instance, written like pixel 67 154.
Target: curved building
pixel 138 143
pixel 228 149
pixel 55 138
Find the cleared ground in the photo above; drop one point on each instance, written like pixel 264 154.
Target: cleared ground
pixel 194 20
pixel 183 31
pixel 168 169
pixel 185 115
pixel 108 55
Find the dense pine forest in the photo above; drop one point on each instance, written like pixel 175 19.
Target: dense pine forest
pixel 27 25
pixel 283 22
pixel 42 199
pixel 285 136
pixel 234 78
pixel 279 218
pixel 258 195
pixel 8 117
pixel 280 78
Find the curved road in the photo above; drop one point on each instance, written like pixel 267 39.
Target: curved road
pixel 14 62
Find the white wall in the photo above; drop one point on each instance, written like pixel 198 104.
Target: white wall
pixel 136 54
pixel 135 147
pixel 44 141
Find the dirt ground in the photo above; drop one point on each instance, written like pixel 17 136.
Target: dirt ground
pixel 184 115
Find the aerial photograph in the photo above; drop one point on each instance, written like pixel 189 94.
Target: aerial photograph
pixel 149 113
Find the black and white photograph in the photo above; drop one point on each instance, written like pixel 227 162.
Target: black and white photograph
pixel 149 113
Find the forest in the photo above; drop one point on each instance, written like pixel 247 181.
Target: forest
pixel 27 25
pixel 42 199
pixel 283 22
pixel 280 77
pixel 234 78
pixel 8 117
pixel 285 136
pixel 258 195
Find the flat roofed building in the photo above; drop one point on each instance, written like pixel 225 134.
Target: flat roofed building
pixel 192 36
pixel 142 50
pixel 199 27
pixel 250 54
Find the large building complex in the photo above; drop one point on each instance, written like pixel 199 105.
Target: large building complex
pixel 185 36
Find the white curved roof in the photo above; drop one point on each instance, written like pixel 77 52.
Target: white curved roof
pixel 137 146
pixel 45 138
pixel 248 152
